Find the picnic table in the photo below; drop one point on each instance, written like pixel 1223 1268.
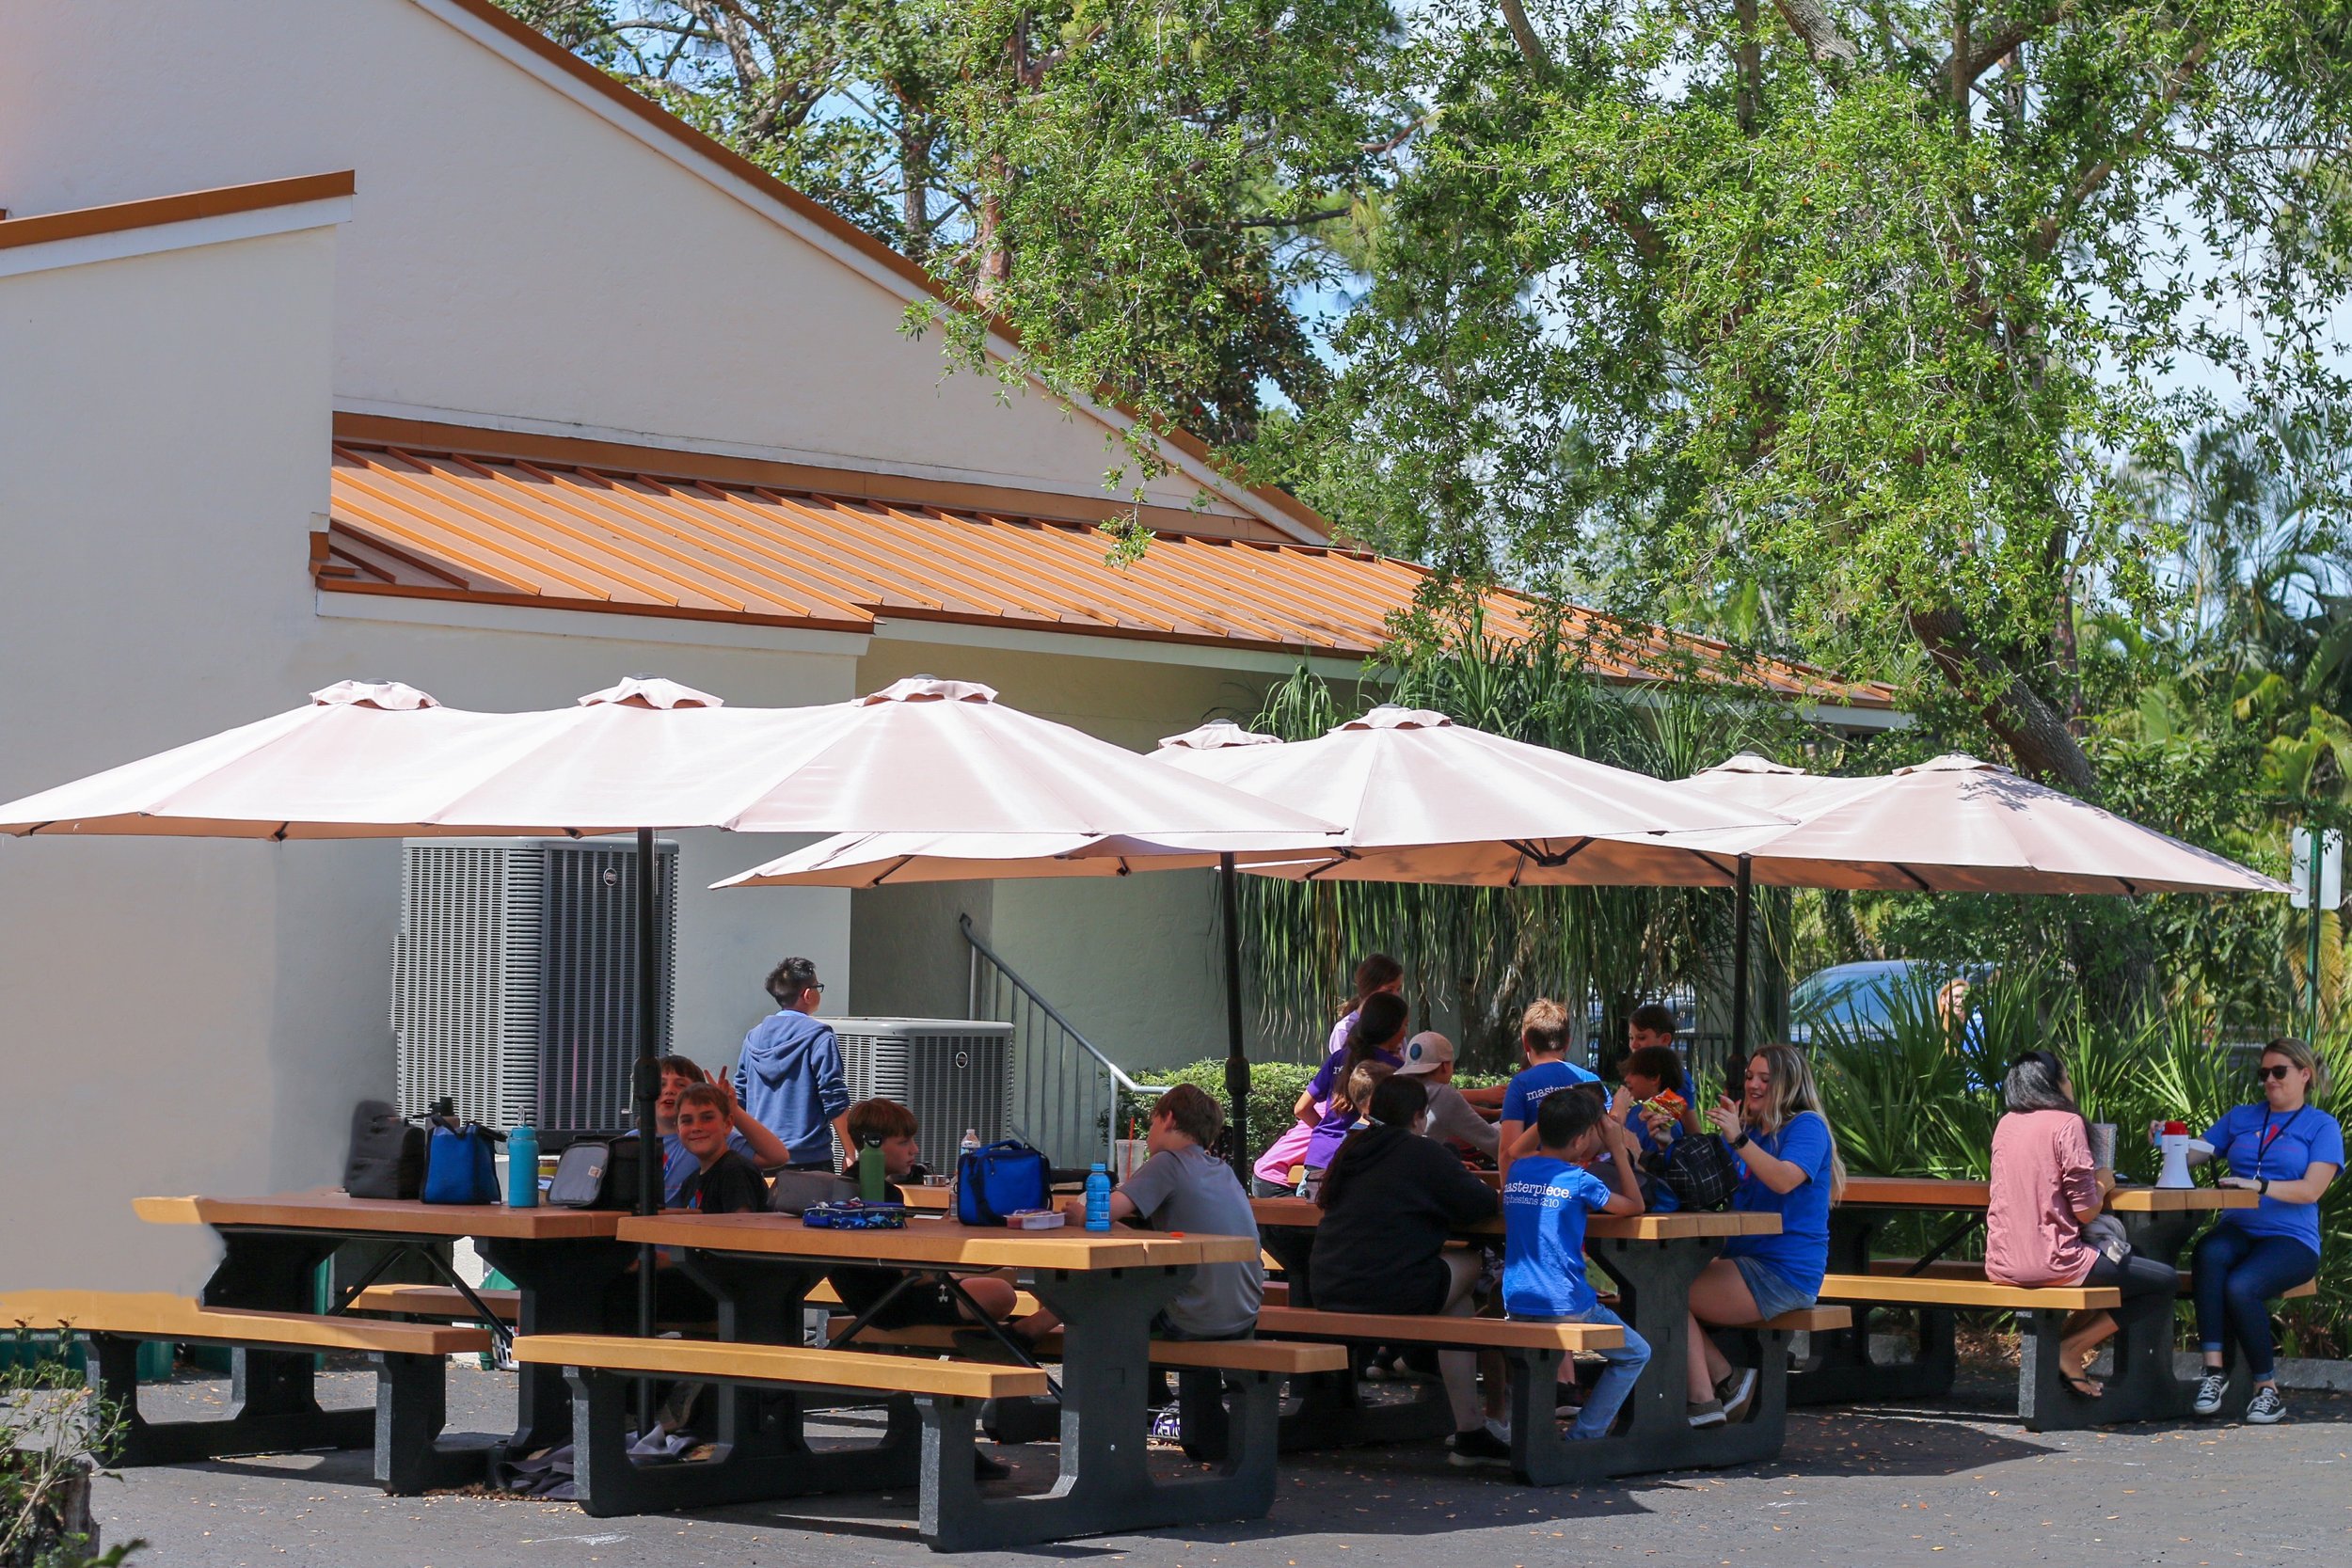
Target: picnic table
pixel 1107 1288
pixel 1652 1259
pixel 561 1261
pixel 2159 1221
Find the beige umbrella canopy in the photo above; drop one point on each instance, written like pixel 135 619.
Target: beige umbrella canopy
pixel 1955 825
pixel 1422 798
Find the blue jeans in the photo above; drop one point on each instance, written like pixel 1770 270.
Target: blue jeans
pixel 1623 1370
pixel 2236 1276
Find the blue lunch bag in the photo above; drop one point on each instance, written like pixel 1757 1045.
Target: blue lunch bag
pixel 1002 1179
pixel 458 1165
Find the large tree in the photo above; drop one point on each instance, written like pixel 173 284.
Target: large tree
pixel 1860 304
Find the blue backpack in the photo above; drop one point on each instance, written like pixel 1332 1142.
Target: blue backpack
pixel 1003 1178
pixel 458 1165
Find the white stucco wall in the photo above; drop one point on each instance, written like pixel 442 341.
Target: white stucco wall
pixel 186 1017
pixel 518 258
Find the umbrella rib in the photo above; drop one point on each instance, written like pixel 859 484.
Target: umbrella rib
pixel 1918 880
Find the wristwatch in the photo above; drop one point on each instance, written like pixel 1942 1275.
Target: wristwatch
pixel 1741 1140
pixel 2261 1184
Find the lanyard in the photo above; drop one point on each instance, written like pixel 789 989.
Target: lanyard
pixel 2271 1136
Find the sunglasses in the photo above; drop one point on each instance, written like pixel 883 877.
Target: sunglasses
pixel 2279 1072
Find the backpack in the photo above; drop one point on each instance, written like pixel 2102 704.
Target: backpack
pixel 458 1165
pixel 387 1154
pixel 1002 1179
pixel 1700 1170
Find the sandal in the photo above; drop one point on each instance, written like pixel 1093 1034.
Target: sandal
pixel 2083 1385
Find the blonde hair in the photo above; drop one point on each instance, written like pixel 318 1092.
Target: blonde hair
pixel 1361 1084
pixel 1544 1027
pixel 1793 1093
pixel 2303 1056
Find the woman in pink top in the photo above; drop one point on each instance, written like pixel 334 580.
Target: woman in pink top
pixel 2045 1192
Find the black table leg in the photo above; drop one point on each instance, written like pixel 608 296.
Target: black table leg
pixel 1654 1287
pixel 1838 1368
pixel 563 1285
pixel 2142 1386
pixel 272 1398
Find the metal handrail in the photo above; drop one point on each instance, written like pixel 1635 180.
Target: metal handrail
pixel 1119 1074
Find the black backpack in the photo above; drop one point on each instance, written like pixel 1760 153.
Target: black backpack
pixel 595 1173
pixel 387 1158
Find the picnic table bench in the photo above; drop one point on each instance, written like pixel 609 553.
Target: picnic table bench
pixel 403 1428
pixel 1652 1259
pixel 1841 1369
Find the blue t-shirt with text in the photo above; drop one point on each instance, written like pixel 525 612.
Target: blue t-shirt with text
pixel 2260 1142
pixel 1531 1085
pixel 1800 1254
pixel 1544 1206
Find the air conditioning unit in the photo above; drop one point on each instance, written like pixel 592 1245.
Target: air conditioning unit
pixel 953 1074
pixel 515 977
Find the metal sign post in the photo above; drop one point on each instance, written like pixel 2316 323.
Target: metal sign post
pixel 2318 872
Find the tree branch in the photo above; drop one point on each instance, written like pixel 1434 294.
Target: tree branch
pixel 2097 171
pixel 1998 39
pixel 1530 42
pixel 1298 220
pixel 1811 22
pixel 2035 732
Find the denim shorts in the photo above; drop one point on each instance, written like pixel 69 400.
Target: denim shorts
pixel 1771 1287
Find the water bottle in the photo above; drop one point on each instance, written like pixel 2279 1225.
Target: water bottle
pixel 523 1168
pixel 873 1183
pixel 971 1145
pixel 1099 1197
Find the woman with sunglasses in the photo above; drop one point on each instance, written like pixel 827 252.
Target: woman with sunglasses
pixel 2045 1192
pixel 2287 1150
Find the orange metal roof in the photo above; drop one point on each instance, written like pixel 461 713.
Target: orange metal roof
pixel 513 531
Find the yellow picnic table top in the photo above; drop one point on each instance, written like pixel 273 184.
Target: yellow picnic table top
pixel 1926 1192
pixel 1301 1212
pixel 332 1209
pixel 937 1242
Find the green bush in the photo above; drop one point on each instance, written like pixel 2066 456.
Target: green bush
pixel 1923 1101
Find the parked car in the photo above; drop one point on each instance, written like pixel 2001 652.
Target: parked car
pixel 1857 999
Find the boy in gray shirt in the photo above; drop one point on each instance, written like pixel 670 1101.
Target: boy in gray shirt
pixel 1183 1187
pixel 1429 1056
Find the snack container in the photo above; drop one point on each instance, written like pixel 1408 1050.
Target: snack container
pixel 855 1214
pixel 1036 1219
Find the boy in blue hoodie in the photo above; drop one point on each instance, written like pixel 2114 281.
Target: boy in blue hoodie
pixel 789 1077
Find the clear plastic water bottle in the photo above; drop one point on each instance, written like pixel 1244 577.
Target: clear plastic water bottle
pixel 971 1145
pixel 523 1168
pixel 1099 1197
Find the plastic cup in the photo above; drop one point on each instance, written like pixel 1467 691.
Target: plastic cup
pixel 2103 1145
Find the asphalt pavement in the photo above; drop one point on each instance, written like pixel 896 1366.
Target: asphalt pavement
pixel 1853 1487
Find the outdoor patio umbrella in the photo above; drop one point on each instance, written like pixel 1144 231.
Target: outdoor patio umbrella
pixel 1417 796
pixel 384 760
pixel 1953 824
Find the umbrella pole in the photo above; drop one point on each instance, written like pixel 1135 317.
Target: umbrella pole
pixel 1742 902
pixel 1236 1060
pixel 647 1084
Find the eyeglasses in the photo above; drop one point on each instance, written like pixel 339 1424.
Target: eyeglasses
pixel 2279 1072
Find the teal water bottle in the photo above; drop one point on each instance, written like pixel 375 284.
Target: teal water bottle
pixel 872 1181
pixel 1099 1197
pixel 523 1168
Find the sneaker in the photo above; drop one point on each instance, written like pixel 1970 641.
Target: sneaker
pixel 2210 1389
pixel 1706 1413
pixel 1168 1427
pixel 1478 1446
pixel 1373 1372
pixel 2267 1408
pixel 1735 1391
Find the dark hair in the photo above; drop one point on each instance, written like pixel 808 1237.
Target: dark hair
pixel 702 1094
pixel 1195 1112
pixel 788 979
pixel 1563 1119
pixel 682 1067
pixel 1544 1027
pixel 1653 1017
pixel 2036 1082
pixel 880 1118
pixel 1661 1063
pixel 1378 1022
pixel 1400 1099
pixel 1377 972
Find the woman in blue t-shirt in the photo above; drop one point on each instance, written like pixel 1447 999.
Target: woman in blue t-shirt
pixel 1789 1165
pixel 2287 1150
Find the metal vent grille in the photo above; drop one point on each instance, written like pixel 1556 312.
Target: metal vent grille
pixel 514 978
pixel 952 1073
